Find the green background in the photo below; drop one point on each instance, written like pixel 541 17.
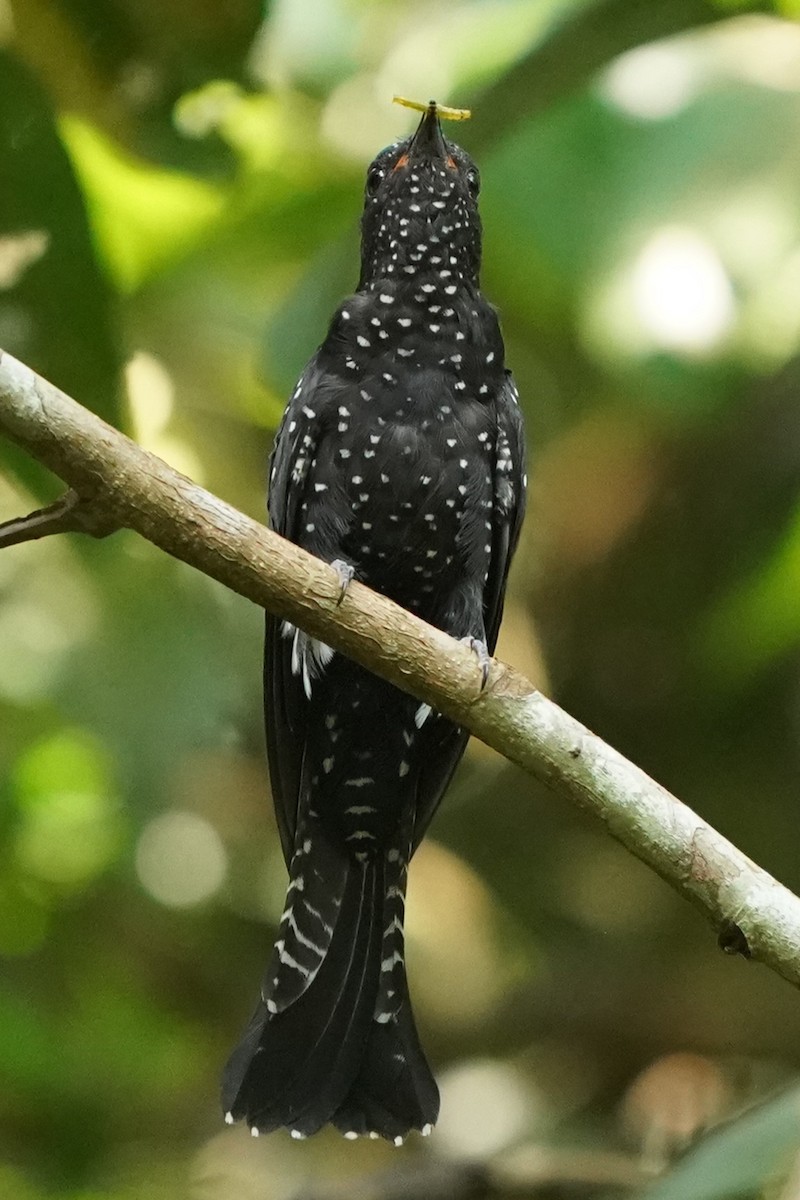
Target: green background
pixel 180 187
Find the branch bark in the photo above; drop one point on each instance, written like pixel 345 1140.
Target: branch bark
pixel 125 486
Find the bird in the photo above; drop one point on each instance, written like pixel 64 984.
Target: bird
pixel 400 460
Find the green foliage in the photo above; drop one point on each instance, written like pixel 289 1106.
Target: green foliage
pixel 741 1158
pixel 179 198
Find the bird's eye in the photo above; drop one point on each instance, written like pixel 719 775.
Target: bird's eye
pixel 374 177
pixel 473 181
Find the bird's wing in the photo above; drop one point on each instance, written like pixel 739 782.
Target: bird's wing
pixel 509 504
pixel 284 699
pixel 446 741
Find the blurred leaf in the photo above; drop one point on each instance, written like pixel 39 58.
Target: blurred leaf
pixel 583 38
pixel 70 826
pixel 61 288
pixel 24 918
pixel 759 621
pixel 145 218
pixel 738 1158
pixel 301 323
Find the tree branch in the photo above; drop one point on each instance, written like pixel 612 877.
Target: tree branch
pixel 125 486
pixel 69 514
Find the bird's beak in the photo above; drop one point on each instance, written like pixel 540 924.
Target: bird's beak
pixel 428 141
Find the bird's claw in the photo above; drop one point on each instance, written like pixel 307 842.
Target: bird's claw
pixel 345 571
pixel 481 650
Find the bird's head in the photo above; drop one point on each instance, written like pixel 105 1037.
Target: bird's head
pixel 421 211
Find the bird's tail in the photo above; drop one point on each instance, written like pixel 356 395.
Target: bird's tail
pixel 341 1045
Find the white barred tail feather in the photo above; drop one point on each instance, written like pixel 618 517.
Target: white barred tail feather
pixel 324 1057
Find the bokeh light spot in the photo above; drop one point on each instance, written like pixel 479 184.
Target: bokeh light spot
pixel 652 82
pixel 180 859
pixel 681 290
pixel 486 1105
pixel 70 826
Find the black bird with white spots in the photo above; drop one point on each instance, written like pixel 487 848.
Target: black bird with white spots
pixel 400 458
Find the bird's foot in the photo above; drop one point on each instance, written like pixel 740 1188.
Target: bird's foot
pixel 481 650
pixel 345 571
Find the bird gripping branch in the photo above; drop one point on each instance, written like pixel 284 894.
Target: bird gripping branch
pixel 399 459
